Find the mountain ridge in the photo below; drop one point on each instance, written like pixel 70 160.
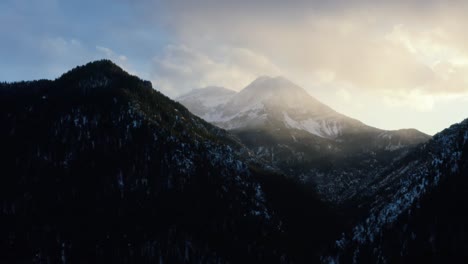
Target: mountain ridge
pixel 415 207
pixel 283 124
pixel 97 166
pixel 274 92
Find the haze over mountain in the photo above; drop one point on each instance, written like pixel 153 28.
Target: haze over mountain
pixel 203 101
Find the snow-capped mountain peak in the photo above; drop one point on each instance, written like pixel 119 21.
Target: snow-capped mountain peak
pixel 278 100
pixel 266 100
pixel 204 100
pixel 275 102
pixel 268 84
pixel 209 91
pixel 274 91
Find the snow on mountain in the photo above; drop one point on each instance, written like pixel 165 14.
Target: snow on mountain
pixel 202 101
pixel 273 92
pixel 404 204
pixel 295 132
pixel 267 100
pixel 319 128
pixel 279 103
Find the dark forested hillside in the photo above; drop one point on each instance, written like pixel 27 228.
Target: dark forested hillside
pixel 98 167
pixel 336 169
pixel 417 208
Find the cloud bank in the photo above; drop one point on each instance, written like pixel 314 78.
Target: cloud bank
pixel 419 47
pixel 392 64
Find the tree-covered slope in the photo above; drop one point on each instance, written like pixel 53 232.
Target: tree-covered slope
pixel 417 208
pixel 97 166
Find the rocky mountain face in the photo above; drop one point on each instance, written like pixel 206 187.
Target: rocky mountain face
pixel 416 208
pixel 98 167
pixel 281 123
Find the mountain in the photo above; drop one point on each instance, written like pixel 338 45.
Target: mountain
pixel 281 123
pixel 268 100
pixel 278 101
pixel 416 208
pixel 202 101
pixel 99 167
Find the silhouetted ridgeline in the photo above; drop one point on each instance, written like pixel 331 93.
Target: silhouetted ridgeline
pixel 100 167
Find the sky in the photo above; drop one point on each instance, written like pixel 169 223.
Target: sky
pixel 391 64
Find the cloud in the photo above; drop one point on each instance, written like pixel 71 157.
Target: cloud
pixel 396 57
pixel 180 68
pixel 413 99
pixel 418 46
pixel 110 54
pixel 55 55
pixel 58 46
pixel 368 45
pixel 344 95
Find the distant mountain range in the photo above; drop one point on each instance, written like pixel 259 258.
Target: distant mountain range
pixel 99 167
pixel 286 126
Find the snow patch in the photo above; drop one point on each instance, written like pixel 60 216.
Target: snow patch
pixel 321 128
